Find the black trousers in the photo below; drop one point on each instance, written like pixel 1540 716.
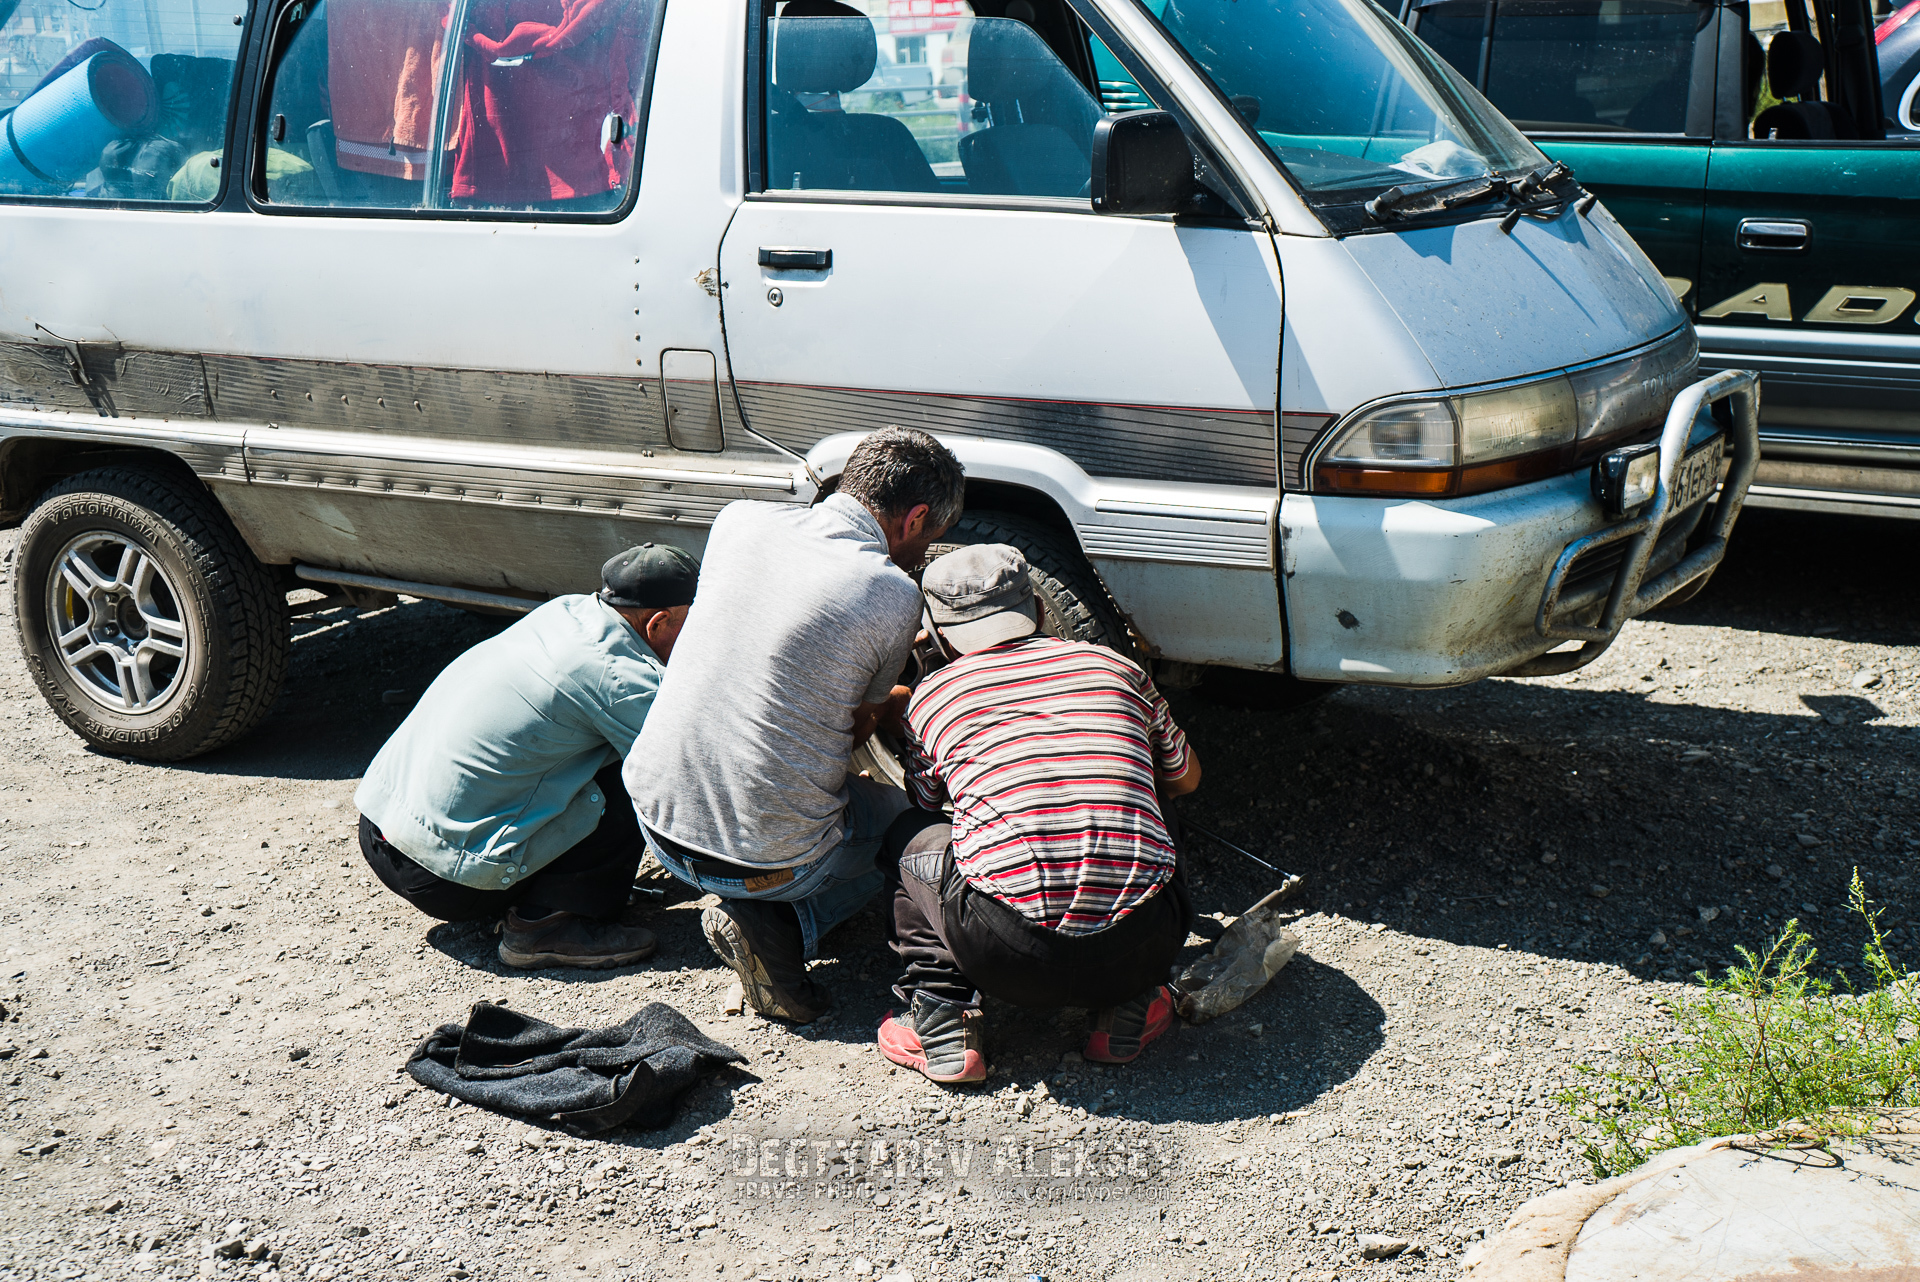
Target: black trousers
pixel 956 942
pixel 593 878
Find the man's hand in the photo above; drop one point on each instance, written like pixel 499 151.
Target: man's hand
pixel 1187 780
pixel 884 716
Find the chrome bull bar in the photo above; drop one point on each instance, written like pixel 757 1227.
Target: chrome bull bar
pixel 1633 594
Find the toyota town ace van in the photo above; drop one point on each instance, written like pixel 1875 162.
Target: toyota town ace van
pixel 1273 344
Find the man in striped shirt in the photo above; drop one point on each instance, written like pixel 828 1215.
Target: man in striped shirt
pixel 1056 882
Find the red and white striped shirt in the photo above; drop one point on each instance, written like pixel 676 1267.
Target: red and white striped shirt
pixel 1050 751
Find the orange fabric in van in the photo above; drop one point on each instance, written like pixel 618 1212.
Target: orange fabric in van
pixel 383 59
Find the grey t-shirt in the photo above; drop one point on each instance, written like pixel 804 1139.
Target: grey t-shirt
pixel 799 617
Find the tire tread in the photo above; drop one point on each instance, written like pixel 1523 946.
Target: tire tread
pixel 241 590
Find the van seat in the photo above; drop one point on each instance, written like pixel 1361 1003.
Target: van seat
pixel 824 48
pixel 1026 152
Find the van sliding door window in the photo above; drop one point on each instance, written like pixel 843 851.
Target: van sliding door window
pixel 538 108
pixel 117 100
pixel 1574 66
pixel 922 96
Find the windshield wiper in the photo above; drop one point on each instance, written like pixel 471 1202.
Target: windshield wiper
pixel 1533 192
pixel 1413 200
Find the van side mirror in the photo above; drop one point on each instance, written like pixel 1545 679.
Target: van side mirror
pixel 1141 165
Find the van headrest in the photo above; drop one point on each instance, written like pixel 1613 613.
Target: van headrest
pixel 1007 60
pixel 822 46
pixel 1794 65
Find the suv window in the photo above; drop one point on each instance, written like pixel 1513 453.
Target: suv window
pixel 928 102
pixel 539 108
pixel 1589 66
pixel 116 100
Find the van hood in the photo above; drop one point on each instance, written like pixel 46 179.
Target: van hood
pixel 1485 306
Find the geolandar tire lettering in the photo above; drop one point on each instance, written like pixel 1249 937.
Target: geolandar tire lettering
pixel 145 621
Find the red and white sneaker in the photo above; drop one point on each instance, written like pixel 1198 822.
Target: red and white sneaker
pixel 1121 1032
pixel 937 1040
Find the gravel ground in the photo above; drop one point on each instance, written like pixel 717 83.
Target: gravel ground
pixel 208 1001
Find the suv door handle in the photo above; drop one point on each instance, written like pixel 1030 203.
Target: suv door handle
pixel 818 260
pixel 1780 236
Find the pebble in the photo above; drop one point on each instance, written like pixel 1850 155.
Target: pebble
pixel 1657 938
pixel 1504 1156
pixel 1806 839
pixel 1378 1246
pixel 1775 871
pixel 928 1232
pixel 861 1266
pixel 1709 913
pixel 1598 891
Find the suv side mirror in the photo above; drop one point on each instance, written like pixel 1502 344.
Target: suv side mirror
pixel 1141 165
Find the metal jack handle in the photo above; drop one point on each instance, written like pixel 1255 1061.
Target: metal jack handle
pixel 1631 597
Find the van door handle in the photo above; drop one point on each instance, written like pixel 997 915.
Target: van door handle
pixel 787 257
pixel 1779 236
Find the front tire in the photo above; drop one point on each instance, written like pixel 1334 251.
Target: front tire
pixel 147 623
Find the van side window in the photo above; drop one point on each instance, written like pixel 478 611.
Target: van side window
pixel 538 108
pixel 117 100
pixel 922 102
pixel 1586 66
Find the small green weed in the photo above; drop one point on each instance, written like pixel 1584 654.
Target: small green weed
pixel 1768 1043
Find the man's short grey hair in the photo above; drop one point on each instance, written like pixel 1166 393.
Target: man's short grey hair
pixel 898 468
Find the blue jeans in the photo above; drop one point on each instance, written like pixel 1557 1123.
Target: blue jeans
pixel 830 889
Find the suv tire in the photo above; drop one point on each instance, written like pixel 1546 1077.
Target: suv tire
pixel 147 623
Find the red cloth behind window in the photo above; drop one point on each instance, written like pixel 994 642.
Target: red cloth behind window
pixel 532 132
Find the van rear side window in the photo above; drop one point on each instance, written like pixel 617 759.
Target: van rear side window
pixel 538 109
pixel 121 100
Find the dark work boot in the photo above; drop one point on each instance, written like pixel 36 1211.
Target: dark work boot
pixel 1121 1032
pixel 762 942
pixel 938 1040
pixel 569 939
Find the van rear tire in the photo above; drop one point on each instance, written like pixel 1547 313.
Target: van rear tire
pixel 1074 602
pixel 146 622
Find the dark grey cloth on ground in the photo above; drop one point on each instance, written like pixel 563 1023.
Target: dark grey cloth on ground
pixel 588 1080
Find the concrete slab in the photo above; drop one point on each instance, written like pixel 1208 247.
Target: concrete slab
pixel 1729 1210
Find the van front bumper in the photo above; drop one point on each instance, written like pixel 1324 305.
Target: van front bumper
pixel 1440 593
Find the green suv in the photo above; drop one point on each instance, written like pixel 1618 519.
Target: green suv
pixel 1747 148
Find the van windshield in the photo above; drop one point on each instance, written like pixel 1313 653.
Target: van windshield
pixel 1347 99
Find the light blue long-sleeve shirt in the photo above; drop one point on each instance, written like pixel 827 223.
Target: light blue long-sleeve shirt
pixel 490 777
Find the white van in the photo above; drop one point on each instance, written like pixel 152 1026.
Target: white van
pixel 1271 342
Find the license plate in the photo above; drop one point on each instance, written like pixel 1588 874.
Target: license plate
pixel 1698 474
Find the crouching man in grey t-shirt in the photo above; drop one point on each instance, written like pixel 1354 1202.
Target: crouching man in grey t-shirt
pixel 803 620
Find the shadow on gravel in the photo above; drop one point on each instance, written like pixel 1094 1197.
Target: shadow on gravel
pixel 1807 574
pixel 1560 821
pixel 334 712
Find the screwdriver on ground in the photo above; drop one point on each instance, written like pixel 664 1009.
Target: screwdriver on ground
pixel 1289 882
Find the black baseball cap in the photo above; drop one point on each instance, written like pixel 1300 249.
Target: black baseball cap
pixel 652 576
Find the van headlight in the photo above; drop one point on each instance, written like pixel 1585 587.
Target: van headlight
pixel 1439 447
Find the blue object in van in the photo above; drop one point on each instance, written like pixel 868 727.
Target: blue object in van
pixel 56 134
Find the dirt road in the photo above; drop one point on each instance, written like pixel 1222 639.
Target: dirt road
pixel 208 1000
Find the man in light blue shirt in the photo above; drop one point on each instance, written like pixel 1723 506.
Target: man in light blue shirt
pixel 500 794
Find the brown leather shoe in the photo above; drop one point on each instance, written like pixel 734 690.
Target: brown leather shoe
pixel 761 941
pixel 570 939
